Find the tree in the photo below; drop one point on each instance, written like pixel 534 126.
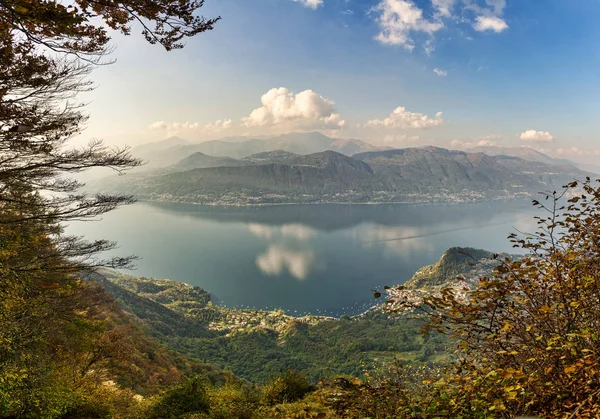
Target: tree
pixel 527 335
pixel 47 51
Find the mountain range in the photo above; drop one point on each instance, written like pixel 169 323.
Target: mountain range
pixel 170 151
pixel 422 174
pixel 525 153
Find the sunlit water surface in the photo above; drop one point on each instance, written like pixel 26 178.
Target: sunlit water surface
pixel 321 259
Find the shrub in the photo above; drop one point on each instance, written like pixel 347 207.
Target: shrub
pixel 191 396
pixel 234 401
pixel 287 387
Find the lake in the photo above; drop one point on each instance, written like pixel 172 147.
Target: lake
pixel 319 259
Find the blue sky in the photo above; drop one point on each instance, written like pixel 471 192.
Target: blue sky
pixel 508 73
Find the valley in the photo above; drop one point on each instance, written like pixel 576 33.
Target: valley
pixel 256 344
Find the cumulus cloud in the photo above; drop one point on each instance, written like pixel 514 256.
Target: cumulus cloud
pixel 536 136
pixel 174 128
pixel 399 19
pixel 305 110
pixel 401 118
pixel 159 125
pixel 488 18
pixel 279 258
pixel 219 125
pixel 490 23
pixel 313 4
pixel 441 73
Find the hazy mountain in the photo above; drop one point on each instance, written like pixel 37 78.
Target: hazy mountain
pixel 277 156
pixel 235 150
pixel 351 147
pixel 593 168
pixel 525 153
pixel 430 169
pixel 200 161
pixel 169 152
pixel 412 174
pixel 312 177
pixel 150 148
pixel 299 142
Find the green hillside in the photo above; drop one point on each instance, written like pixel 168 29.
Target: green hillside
pixel 256 344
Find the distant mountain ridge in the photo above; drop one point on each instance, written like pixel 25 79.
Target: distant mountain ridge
pixel 526 153
pixel 170 151
pixel 422 174
pixel 200 160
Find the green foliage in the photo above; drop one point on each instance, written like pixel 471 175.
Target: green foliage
pixel 191 396
pixel 526 335
pixel 234 400
pixel 287 387
pixel 318 347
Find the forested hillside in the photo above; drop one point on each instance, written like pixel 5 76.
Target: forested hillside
pixel 256 344
pixel 425 174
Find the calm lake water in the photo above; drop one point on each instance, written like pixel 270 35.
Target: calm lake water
pixel 321 259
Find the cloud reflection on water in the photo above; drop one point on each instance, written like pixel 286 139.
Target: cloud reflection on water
pixel 370 235
pixel 296 231
pixel 280 258
pixel 289 251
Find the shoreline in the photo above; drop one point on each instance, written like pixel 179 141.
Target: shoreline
pixel 273 204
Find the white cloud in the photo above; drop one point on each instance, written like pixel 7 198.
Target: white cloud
pixel 483 142
pixel 398 19
pixel 158 125
pixel 313 4
pixel 429 47
pixel 279 258
pixel 497 5
pixel 443 7
pixel 490 23
pixel 305 110
pixel 400 140
pixel 174 128
pixel 219 125
pixel 441 73
pixel 488 18
pixel 401 118
pixel 536 136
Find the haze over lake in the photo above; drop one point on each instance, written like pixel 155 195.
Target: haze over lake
pixel 302 258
